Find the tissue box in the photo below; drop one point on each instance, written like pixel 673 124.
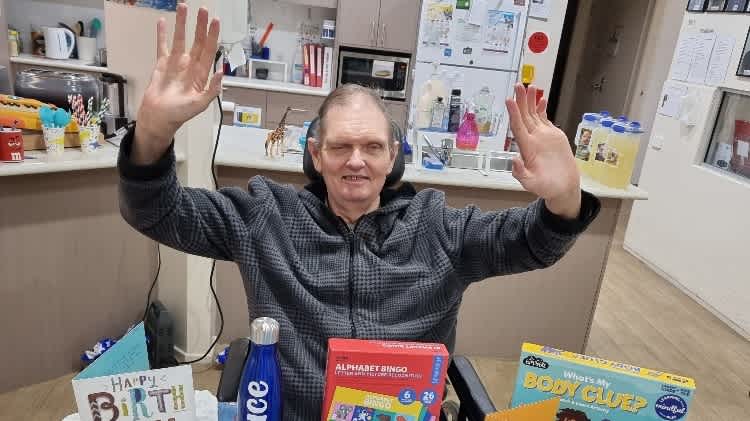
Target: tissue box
pixel 383 380
pixel 594 389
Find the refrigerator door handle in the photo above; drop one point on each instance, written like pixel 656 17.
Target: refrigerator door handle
pixel 383 37
pixel 373 41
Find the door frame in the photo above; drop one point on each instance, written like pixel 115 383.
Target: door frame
pixel 563 54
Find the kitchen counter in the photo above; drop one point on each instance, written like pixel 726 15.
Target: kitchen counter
pixel 37 162
pixel 243 147
pixel 69 64
pixel 274 86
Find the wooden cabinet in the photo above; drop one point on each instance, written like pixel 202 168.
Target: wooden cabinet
pixel 357 22
pixel 247 98
pixel 279 101
pixel 331 4
pixel 387 24
pixel 399 20
pixel 273 105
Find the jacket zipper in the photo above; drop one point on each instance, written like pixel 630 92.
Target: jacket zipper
pixel 352 243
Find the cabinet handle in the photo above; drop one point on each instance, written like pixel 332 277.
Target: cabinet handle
pixel 383 37
pixel 373 41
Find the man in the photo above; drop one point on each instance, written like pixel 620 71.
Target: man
pixel 343 257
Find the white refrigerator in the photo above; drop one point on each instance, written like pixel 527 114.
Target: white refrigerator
pixel 477 45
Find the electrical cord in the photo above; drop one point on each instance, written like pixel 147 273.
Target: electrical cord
pixel 213 261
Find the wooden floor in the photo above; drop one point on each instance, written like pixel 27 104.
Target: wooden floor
pixel 641 319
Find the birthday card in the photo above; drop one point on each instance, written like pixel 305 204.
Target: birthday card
pixel 119 386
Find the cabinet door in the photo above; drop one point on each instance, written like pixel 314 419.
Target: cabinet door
pixel 247 98
pixel 398 113
pixel 357 22
pixel 331 4
pixel 397 29
pixel 278 101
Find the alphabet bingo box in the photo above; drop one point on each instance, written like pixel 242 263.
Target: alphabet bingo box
pixel 594 389
pixel 384 381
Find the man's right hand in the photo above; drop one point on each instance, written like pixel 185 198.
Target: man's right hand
pixel 179 88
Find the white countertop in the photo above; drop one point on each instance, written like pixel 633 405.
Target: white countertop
pixel 244 147
pixel 38 162
pixel 69 64
pixel 270 85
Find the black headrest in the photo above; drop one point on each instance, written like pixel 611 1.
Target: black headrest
pixel 390 180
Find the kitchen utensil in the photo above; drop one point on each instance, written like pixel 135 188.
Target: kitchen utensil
pixel 96 27
pixel 80 29
pixel 53 86
pixel 59 43
pixel 266 34
pixel 74 54
pixel 87 49
pixel 62 118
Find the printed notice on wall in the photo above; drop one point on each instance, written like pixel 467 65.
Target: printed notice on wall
pixel 719 65
pixel 702 49
pixel 703 57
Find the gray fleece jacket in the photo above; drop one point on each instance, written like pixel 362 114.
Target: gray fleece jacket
pixel 399 274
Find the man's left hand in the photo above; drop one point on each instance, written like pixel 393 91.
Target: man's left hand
pixel 546 166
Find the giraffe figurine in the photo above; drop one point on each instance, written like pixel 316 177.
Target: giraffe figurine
pixel 275 139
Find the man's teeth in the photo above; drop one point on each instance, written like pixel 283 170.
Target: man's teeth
pixel 355 177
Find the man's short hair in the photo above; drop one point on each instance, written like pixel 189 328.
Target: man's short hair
pixel 343 96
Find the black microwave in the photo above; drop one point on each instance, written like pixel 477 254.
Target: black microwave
pixel 387 73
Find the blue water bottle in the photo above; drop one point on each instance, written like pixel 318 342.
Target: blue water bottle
pixel 259 396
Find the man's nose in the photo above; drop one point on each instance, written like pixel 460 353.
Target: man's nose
pixel 355 160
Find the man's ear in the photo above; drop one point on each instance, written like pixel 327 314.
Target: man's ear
pixel 313 145
pixel 394 153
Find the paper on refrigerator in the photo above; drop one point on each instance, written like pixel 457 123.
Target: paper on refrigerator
pixel 540 9
pixel 672 97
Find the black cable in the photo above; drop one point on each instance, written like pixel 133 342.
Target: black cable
pixel 153 284
pixel 213 262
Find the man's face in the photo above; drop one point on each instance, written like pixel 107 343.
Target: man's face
pixel 356 153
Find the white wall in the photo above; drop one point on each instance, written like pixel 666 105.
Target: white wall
pixel 545 62
pixel 694 227
pixel 22 14
pixel 184 279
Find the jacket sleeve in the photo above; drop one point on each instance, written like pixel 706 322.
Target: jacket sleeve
pixel 503 242
pixel 197 221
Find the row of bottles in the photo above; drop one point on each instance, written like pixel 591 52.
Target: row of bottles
pixel 607 147
pixel 441 108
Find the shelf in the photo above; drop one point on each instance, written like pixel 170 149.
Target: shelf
pixel 269 85
pixel 38 162
pixel 69 64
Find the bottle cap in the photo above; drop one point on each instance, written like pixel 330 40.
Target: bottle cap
pixel 591 117
pixel 264 331
pixel 618 128
pixel 607 122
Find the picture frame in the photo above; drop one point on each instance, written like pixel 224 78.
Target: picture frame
pixel 697 5
pixel 743 69
pixel 736 6
pixel 714 6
